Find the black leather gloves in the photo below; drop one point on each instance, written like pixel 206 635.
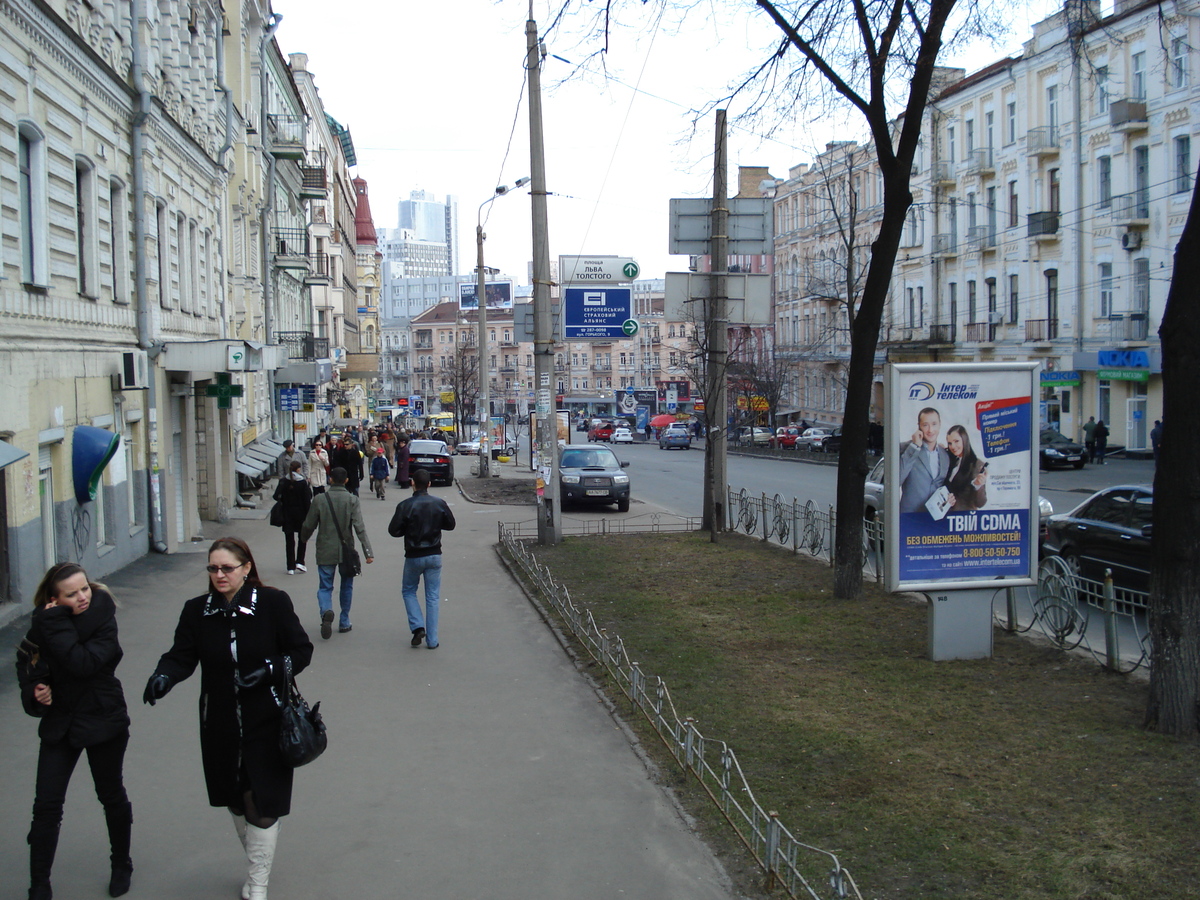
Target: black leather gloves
pixel 156 688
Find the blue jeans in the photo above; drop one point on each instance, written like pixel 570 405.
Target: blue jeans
pixel 431 568
pixel 325 594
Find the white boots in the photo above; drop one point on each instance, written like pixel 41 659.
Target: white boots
pixel 259 844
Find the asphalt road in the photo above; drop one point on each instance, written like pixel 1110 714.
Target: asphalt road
pixel 673 479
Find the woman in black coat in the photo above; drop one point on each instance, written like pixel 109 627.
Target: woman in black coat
pixel 294 495
pixel 66 668
pixel 248 642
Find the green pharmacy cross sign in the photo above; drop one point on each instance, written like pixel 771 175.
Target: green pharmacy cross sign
pixel 223 390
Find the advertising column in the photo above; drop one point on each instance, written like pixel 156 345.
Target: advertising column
pixel 961 514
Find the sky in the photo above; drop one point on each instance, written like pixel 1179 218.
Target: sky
pixel 435 98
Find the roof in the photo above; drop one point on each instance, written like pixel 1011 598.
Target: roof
pixel 364 225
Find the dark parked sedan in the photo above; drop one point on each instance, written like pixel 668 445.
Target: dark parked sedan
pixel 591 474
pixel 1059 450
pixel 1109 530
pixel 434 457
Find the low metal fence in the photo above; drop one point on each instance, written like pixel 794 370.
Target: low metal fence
pixel 798 868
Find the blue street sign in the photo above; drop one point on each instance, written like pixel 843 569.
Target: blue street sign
pixel 289 399
pixel 596 313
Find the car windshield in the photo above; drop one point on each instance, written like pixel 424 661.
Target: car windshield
pixel 1050 436
pixel 586 459
pixel 425 447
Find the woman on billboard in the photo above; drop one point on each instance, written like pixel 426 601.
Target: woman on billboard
pixel 967 479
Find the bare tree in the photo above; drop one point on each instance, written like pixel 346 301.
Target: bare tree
pixel 462 377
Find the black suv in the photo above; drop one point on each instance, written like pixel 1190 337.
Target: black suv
pixel 592 474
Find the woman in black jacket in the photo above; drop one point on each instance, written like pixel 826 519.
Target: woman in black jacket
pixel 66 669
pixel 294 495
pixel 247 641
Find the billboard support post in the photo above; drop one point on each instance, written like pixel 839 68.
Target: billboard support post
pixel 960 625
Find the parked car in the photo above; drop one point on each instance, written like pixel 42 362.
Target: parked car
pixel 622 435
pixel 760 437
pixel 434 457
pixel 675 436
pixel 601 431
pixel 1059 450
pixel 470 447
pixel 589 474
pixel 832 442
pixel 1109 530
pixel 811 438
pixel 785 435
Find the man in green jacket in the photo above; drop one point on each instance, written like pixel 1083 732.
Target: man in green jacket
pixel 335 515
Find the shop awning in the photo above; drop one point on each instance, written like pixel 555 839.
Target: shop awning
pixel 10 454
pixel 250 467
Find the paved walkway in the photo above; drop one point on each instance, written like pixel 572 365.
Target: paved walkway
pixel 484 769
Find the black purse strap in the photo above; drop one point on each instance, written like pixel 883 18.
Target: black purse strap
pixel 336 523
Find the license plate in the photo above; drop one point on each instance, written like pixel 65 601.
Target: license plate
pixel 1074 458
pixel 597 493
pixel 425 459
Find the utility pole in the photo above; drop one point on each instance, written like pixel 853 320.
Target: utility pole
pixel 717 334
pixel 549 513
pixel 483 406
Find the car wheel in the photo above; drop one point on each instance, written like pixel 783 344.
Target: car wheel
pixel 623 504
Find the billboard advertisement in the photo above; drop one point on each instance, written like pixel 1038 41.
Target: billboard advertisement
pixel 962 476
pixel 499 295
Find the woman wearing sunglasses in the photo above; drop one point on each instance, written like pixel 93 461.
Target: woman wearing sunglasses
pixel 247 640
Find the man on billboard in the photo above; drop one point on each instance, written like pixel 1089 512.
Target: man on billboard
pixel 924 464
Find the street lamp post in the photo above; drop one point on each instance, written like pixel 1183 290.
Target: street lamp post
pixel 483 406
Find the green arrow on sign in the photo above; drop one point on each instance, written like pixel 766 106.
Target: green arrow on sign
pixel 631 271
pixel 631 326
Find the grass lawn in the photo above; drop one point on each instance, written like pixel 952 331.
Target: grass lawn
pixel 1023 776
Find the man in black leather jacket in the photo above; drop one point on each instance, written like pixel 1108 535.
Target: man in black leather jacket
pixel 420 520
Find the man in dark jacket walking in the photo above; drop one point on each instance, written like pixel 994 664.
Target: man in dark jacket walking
pixel 420 520
pixel 335 516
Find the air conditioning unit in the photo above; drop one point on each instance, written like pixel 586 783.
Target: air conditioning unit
pixel 996 318
pixel 1131 240
pixel 134 372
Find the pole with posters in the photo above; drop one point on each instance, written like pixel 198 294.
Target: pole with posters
pixel 961 516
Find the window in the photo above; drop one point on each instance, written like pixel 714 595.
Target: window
pixel 1141 181
pixel 1052 106
pixel 1014 300
pixel 971 306
pixel 31 155
pixel 950 144
pixel 1179 62
pixel 1052 297
pixel 989 128
pixel 912 307
pixel 1055 190
pixel 971 211
pixel 920 306
pixel 1141 286
pixel 1138 82
pixel 87 270
pixel 991 297
pixel 969 137
pixel 1101 89
pixel 163 257
pixel 1011 114
pixel 1106 290
pixel 1104 181
pixel 991 211
pixel 1183 163
pixel 953 303
pixel 1014 216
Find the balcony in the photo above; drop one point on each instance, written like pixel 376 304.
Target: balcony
pixel 286 136
pixel 1042 225
pixel 941 173
pixel 1134 327
pixel 981 237
pixel 1128 115
pixel 304 345
pixel 318 269
pixel 979 332
pixel 601 367
pixel 423 345
pixel 313 183
pixel 1131 209
pixel 941 334
pixel 1040 331
pixel 945 245
pixel 980 163
pixel 291 248
pixel 1042 141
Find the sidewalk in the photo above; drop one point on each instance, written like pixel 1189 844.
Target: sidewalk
pixel 485 769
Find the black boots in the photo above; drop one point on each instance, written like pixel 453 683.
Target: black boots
pixel 43 841
pixel 120 824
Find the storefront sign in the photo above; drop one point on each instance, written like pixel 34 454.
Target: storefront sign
pixel 1123 374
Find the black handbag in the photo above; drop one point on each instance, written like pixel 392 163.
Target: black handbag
pixel 302 736
pixel 277 514
pixel 350 564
